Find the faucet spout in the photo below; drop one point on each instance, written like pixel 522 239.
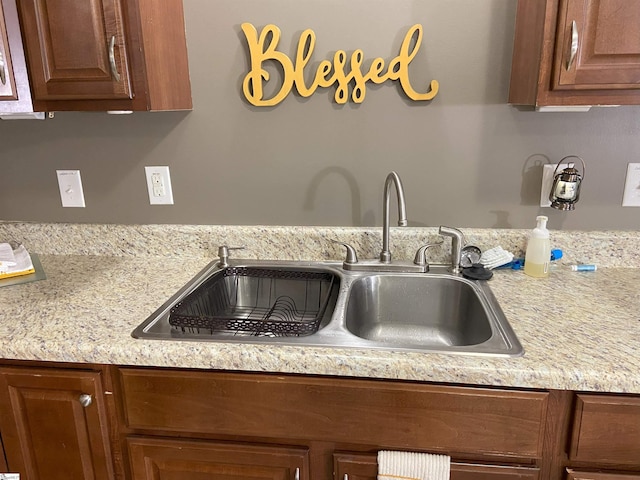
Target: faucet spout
pixel 392 178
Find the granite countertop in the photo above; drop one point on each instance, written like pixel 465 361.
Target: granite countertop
pixel 580 331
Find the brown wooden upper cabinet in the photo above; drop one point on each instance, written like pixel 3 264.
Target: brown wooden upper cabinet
pixel 7 79
pixel 106 54
pixel 576 52
pixel 15 96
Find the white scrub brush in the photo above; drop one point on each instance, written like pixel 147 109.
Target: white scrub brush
pixel 495 257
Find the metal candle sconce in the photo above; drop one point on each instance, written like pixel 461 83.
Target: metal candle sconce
pixel 565 191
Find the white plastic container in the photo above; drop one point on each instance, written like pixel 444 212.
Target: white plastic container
pixel 538 255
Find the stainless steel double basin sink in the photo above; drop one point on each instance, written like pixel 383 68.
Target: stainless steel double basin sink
pixel 320 304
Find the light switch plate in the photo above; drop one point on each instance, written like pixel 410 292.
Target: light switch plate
pixel 631 196
pixel 70 185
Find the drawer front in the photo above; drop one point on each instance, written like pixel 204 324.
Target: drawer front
pixel 606 430
pixel 369 412
pixel 578 475
pixel 153 459
pixel 348 466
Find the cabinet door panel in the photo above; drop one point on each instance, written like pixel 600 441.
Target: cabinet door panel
pixel 69 49
pixel 47 432
pixel 391 415
pixel 7 80
pixel 606 430
pixel 159 459
pixel 608 53
pixel 364 467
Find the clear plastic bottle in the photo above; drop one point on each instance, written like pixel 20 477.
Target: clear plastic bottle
pixel 538 254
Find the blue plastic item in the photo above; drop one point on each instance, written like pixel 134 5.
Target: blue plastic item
pixel 518 263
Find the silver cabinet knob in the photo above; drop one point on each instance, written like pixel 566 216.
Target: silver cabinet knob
pixel 85 399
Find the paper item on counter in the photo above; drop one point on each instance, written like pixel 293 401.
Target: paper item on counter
pixel 14 262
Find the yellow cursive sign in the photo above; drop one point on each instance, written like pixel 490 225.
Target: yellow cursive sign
pixel 263 48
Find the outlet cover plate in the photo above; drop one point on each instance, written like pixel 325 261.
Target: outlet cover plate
pixel 159 185
pixel 547 181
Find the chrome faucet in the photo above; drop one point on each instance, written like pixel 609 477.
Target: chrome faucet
pixel 392 178
pixel 384 263
pixel 456 246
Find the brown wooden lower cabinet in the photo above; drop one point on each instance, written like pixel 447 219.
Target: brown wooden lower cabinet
pixel 606 430
pixel 393 415
pixel 172 459
pixel 485 427
pixel 349 466
pixel 126 423
pixel 581 475
pixel 54 424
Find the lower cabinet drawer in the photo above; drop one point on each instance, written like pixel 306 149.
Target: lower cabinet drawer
pixel 394 415
pixel 153 459
pixel 606 430
pixel 579 475
pixel 365 467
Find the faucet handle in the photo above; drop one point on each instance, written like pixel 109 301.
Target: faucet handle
pixel 352 256
pixel 223 254
pixel 457 238
pixel 421 254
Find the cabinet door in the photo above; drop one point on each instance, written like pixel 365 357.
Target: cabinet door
pixel 348 466
pixel 155 459
pixel 15 94
pixel 606 430
pixel 54 424
pixel 7 80
pixel 606 45
pixel 76 49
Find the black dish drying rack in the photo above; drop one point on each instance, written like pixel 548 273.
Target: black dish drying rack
pixel 255 301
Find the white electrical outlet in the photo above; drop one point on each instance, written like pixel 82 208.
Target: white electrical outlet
pixel 159 185
pixel 547 181
pixel 70 185
pixel 631 197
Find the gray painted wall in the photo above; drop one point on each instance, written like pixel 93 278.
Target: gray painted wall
pixel 467 158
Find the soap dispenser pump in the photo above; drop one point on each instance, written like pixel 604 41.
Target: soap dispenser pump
pixel 538 254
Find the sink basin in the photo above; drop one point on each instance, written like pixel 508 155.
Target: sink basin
pixel 247 301
pixel 438 312
pixel 320 304
pixel 411 310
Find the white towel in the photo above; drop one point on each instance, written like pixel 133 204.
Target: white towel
pixel 412 466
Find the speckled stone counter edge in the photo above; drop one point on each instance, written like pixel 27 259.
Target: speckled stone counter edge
pixel 603 248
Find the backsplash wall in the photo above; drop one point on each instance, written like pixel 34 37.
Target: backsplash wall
pixel 466 158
